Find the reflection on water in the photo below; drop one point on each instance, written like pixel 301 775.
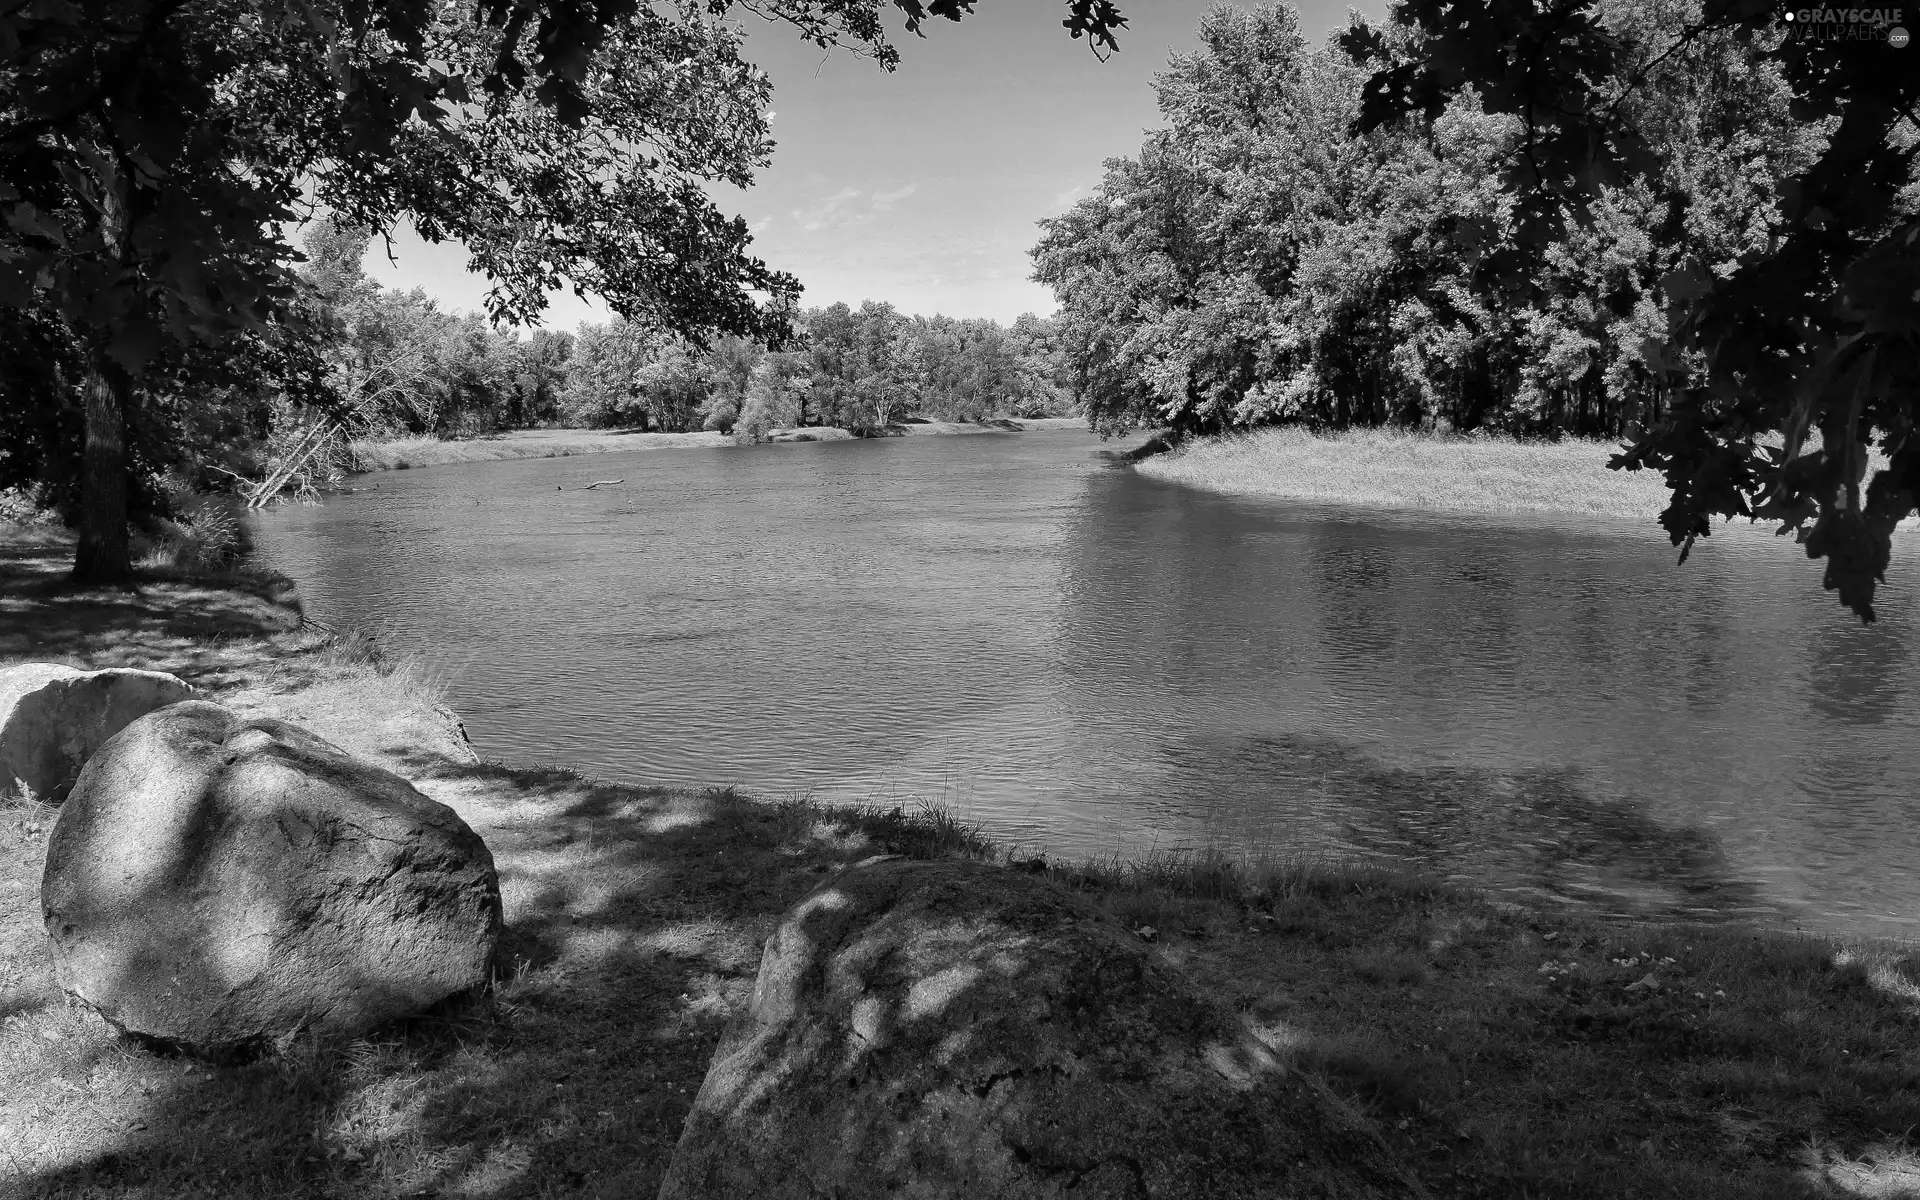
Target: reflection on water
pixel 1089 660
pixel 1539 837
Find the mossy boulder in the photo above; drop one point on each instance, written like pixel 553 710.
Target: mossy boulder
pixel 957 1029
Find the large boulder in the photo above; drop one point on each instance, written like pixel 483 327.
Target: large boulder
pixel 961 1030
pixel 53 717
pixel 217 883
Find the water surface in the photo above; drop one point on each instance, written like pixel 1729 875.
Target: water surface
pixel 1090 662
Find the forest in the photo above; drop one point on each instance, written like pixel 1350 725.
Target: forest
pixel 1263 259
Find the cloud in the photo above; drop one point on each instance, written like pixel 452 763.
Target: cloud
pixel 845 209
pixel 1068 197
pixel 831 212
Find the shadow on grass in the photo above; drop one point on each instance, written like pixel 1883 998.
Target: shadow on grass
pixel 635 920
pixel 195 627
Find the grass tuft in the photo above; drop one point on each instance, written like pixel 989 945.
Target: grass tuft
pixel 205 537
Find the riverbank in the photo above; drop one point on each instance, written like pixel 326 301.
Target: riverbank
pixel 1391 469
pixel 1376 468
pixel 1504 1053
pixel 403 453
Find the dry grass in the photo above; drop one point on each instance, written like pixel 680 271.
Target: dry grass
pixel 1378 468
pixel 1504 1053
pixel 1389 469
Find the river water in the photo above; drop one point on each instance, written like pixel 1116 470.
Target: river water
pixel 1089 662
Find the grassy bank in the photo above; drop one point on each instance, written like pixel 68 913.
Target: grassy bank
pixel 1504 1053
pixel 1387 469
pixel 1377 468
pixel 401 453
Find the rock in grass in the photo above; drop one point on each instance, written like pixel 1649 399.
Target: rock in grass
pixel 218 883
pixel 960 1030
pixel 53 717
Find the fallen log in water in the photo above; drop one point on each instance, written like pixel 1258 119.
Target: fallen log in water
pixel 596 483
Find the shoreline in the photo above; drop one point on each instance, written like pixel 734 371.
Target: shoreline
pixel 1501 1051
pixel 406 453
pixel 1419 472
pixel 1399 470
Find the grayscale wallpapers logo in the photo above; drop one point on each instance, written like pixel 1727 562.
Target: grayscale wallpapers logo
pixel 1848 25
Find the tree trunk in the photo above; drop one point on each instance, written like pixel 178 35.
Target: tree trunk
pixel 102 556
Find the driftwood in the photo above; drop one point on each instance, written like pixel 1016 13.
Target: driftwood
pixel 596 483
pixel 1159 443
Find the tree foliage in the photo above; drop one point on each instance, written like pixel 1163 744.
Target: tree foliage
pixel 393 364
pixel 1811 327
pixel 1441 235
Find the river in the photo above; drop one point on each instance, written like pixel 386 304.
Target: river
pixel 1089 662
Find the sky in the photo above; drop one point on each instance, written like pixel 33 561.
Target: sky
pixel 922 186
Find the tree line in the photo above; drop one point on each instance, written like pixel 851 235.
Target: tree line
pixel 404 367
pixel 373 362
pixel 1264 258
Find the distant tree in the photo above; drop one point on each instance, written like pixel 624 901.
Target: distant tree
pixel 539 378
pixel 1045 386
pixel 729 367
pixel 833 359
pixel 603 376
pixel 770 403
pixel 882 384
pixel 673 386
